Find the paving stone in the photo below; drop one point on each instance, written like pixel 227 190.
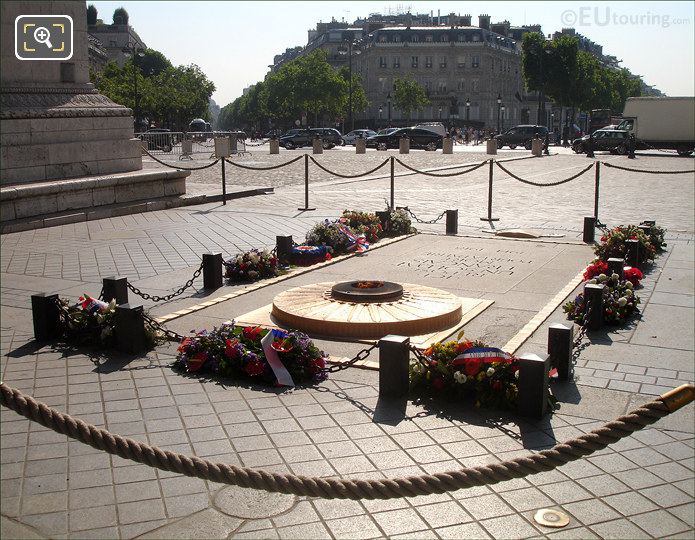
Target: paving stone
pixel 629 503
pixel 509 527
pixel 591 511
pixel 354 527
pixel 486 506
pixel 659 523
pixel 619 528
pixel 394 522
pixel 443 514
pixel 665 495
pixel 208 523
pixel 92 518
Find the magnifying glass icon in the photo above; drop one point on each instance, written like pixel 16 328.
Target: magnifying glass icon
pixel 42 35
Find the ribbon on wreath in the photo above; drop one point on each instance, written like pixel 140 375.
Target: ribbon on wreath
pixel 92 305
pixel 358 243
pixel 482 354
pixel 279 370
pixel 306 255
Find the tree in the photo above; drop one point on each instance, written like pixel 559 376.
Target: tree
pixel 120 16
pixel 153 63
pixel 91 14
pixel 533 48
pixel 409 96
pixel 359 97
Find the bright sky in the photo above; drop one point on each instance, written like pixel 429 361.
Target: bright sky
pixel 234 42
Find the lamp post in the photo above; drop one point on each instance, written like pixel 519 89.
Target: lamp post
pixel 468 110
pixel 388 100
pixel 381 109
pixel 440 113
pixel 349 52
pixel 134 52
pixel 499 105
pixel 502 109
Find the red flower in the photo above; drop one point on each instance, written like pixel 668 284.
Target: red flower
pixel 472 367
pixel 230 348
pixel 633 275
pixel 185 342
pixel 283 345
pixel 252 333
pixel 197 361
pixel 254 368
pixel 464 346
pixel 438 383
pixel 318 364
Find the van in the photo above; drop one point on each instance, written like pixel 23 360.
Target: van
pixel 436 127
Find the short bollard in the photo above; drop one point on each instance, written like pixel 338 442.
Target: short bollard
pixel 394 357
pixel 633 254
pixel 129 329
pixel 360 146
pixel 385 220
pixel 615 266
pixel 233 144
pixel 448 145
pixel 491 147
pixel 115 288
pixel 533 385
pixel 46 316
pixel 404 145
pixel 589 230
pixel 317 145
pixel 593 306
pixel 452 222
pixel 537 147
pixel 212 270
pixel 274 145
pixel 560 338
pixel 283 247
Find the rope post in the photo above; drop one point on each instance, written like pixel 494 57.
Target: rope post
pixel 129 329
pixel 633 254
pixel 590 146
pixel 274 145
pixel 533 385
pixel 317 145
pixel 589 230
pixel 616 266
pixel 385 219
pixel 283 248
pixel 489 194
pixel 212 270
pixel 46 316
pixel 631 143
pixel 394 359
pixel 224 184
pixel 560 338
pixel 593 297
pixel 597 179
pixel 115 288
pixel 306 185
pixel 393 184
pixel 452 222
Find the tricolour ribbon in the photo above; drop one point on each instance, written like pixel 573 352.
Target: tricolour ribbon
pixel 279 370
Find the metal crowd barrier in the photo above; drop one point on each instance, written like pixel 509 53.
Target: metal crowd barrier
pixel 187 144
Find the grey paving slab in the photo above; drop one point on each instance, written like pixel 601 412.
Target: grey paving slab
pixel 666 326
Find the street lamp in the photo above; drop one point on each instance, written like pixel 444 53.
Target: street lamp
pixel 499 105
pixel 388 100
pixel 349 52
pixel 128 51
pixel 440 112
pixel 381 109
pixel 468 110
pixel 502 109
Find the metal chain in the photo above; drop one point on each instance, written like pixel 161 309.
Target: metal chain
pixel 602 227
pixel 420 356
pixel 363 354
pixel 577 345
pixel 430 222
pixel 155 298
pixel 169 335
pixel 101 294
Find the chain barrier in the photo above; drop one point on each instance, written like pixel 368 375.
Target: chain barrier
pixel 348 175
pixel 169 335
pixel 420 356
pixel 446 175
pixel 602 227
pixel 606 164
pixel 259 144
pixel 166 298
pixel 264 168
pixel 424 222
pixel 577 345
pixel 101 294
pixel 362 355
pixel 541 184
pixel 180 168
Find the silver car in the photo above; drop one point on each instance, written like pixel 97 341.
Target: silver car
pixel 351 138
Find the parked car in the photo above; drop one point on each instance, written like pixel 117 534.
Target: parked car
pixel 386 131
pixel 614 140
pixel 419 138
pixel 520 136
pixel 355 134
pixel 159 139
pixel 437 127
pixel 296 138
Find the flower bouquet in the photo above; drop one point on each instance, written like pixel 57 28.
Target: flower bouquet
pixel 337 235
pixel 613 243
pixel 252 266
pixel 400 223
pixel 363 223
pixel 307 255
pixel 274 357
pixel 619 301
pixel 467 369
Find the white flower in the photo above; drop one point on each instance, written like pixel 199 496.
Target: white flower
pixel 254 258
pixel 592 281
pixel 417 368
pixel 622 301
pixel 629 285
pixel 265 253
pixel 615 277
pixel 516 374
pixel 628 293
pixel 490 371
pixel 602 277
pixel 460 377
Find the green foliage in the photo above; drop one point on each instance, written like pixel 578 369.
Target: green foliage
pixel 153 63
pixel 409 96
pixel 120 16
pixel 534 51
pixel 91 14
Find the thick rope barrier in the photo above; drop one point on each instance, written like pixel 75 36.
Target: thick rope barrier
pixel 543 184
pixel 348 175
pixel 446 175
pixel 264 168
pixel 181 168
pixel 606 164
pixel 331 488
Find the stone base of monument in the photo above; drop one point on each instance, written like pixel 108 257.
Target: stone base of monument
pixel 44 204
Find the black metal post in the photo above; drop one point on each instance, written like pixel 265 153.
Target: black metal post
pixel 115 288
pixel 129 329
pixel 393 185
pixel 616 266
pixel 224 184
pixel 589 230
pixel 633 255
pixel 306 185
pixel 385 220
pixel 394 358
pixel 631 143
pixel 46 316
pixel 283 246
pixel 452 222
pixel 560 338
pixel 212 270
pixel 590 143
pixel 533 385
pixel 597 181
pixel 593 298
pixel 489 195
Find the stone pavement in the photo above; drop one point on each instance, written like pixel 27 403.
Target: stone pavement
pixel 642 487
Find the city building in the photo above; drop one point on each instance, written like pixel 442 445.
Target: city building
pixel 98 57
pixel 114 38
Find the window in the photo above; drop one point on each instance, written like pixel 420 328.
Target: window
pixel 461 62
pixel 474 85
pixel 442 62
pixel 414 38
pixel 396 62
pixel 382 84
pixel 461 37
pixel 444 37
pixel 428 85
pixel 461 86
pixel 428 61
pixel 441 87
pixel 476 62
pixel 413 61
pixel 428 39
pixel 382 61
pixel 397 38
pixel 476 37
pixel 382 39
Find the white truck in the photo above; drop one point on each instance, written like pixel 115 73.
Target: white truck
pixel 661 122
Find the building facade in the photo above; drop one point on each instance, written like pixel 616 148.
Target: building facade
pixel 114 38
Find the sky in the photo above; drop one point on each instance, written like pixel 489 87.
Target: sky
pixel 235 42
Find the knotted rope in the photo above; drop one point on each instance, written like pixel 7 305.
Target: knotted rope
pixel 329 488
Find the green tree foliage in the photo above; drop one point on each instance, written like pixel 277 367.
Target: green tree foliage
pixel 91 14
pixel 153 63
pixel 409 96
pixel 534 50
pixel 120 16
pixel 359 97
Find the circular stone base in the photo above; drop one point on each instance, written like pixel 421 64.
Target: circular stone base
pixel 249 503
pixel 313 309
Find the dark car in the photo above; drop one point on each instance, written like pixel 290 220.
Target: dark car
pixel 296 138
pixel 419 138
pixel 159 139
pixel 520 136
pixel 613 140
